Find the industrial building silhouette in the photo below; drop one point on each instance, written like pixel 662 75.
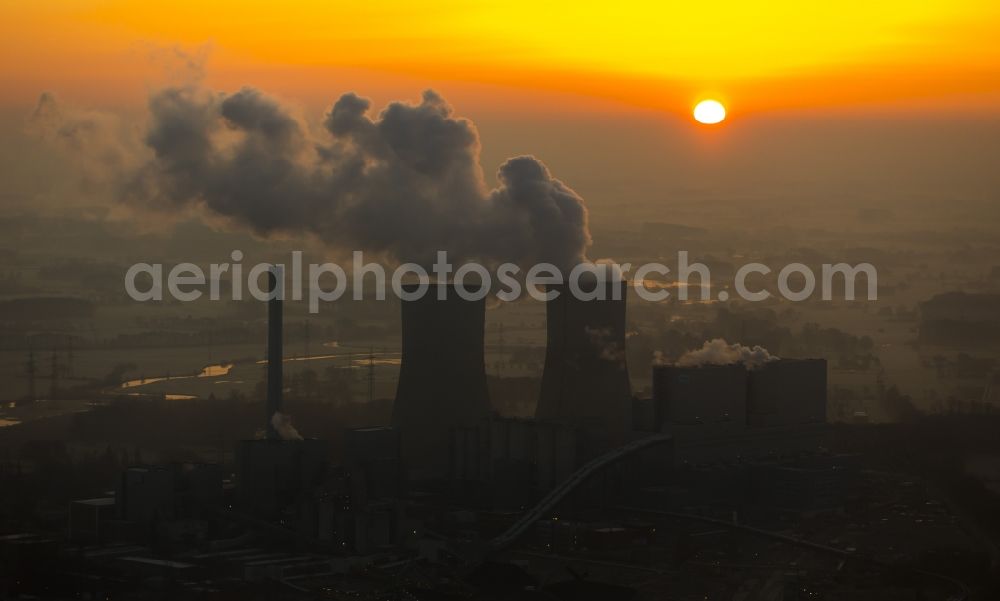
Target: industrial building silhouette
pixel 590 442
pixel 444 434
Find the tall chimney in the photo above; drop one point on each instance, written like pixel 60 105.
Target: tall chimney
pixel 585 380
pixel 275 379
pixel 442 377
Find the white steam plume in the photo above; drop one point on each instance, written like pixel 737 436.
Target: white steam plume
pixel 282 424
pixel 720 352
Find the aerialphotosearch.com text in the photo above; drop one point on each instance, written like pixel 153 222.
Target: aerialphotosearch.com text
pixel 327 282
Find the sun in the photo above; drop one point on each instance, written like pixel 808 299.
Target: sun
pixel 709 112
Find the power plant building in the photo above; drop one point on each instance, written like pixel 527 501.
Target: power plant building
pixel 539 453
pixel 374 456
pixel 701 394
pixel 724 413
pixel 274 474
pixel 787 391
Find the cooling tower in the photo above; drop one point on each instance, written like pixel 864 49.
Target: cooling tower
pixel 585 381
pixel 442 377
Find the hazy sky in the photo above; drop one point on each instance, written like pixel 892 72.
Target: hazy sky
pixel 848 102
pixel 938 55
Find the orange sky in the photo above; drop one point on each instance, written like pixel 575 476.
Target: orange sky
pixel 771 56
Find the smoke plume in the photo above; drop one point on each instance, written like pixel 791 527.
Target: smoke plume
pixel 282 424
pixel 402 183
pixel 104 146
pixel 719 352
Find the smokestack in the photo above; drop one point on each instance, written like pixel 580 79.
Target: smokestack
pixel 275 379
pixel 585 381
pixel 442 377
